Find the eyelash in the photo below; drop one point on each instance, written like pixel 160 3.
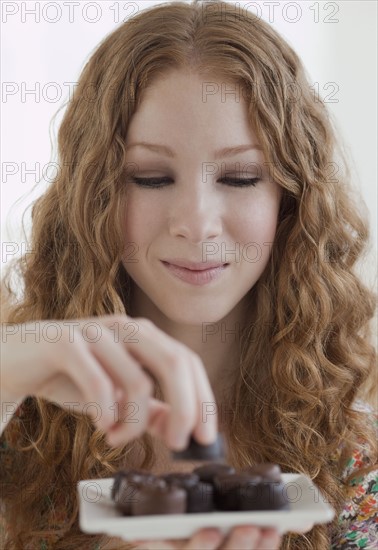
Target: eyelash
pixel 155 182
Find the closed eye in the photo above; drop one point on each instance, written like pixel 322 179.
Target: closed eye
pixel 160 182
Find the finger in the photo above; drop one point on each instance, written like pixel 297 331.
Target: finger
pixel 206 539
pixel 157 420
pixel 131 411
pixel 244 537
pixel 91 379
pixel 270 540
pixel 169 363
pixel 207 420
pixel 158 544
pixel 61 390
pixel 157 417
pixel 158 413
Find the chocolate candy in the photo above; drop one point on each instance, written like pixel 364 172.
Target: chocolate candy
pixel 242 491
pixel 266 495
pixel 199 494
pixel 183 479
pixel 213 486
pixel 268 471
pixel 197 451
pixel 207 472
pixel 133 475
pixel 155 499
pixel 126 484
pixel 200 498
pixel 229 489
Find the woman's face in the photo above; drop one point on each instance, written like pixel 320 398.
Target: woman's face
pixel 194 214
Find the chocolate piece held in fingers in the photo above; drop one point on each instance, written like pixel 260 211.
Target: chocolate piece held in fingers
pixel 197 451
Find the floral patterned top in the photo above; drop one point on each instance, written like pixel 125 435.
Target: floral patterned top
pixel 357 524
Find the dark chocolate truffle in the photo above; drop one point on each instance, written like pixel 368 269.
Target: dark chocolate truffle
pixel 229 489
pixel 197 451
pixel 266 495
pixel 125 486
pixel 199 493
pixel 267 470
pixel 182 479
pixel 124 495
pixel 200 498
pixel 135 475
pixel 212 486
pixel 207 472
pixel 154 499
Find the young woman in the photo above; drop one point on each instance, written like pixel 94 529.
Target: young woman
pixel 198 152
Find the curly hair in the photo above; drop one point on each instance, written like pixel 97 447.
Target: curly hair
pixel 306 356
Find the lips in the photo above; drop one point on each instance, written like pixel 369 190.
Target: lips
pixel 197 277
pixel 194 266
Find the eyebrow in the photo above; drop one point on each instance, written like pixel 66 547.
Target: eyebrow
pixel 222 153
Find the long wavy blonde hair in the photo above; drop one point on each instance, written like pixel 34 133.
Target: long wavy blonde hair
pixel 308 354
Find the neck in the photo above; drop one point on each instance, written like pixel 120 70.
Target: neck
pixel 216 343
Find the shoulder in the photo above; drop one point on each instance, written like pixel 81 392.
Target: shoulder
pixel 357 523
pixel 361 455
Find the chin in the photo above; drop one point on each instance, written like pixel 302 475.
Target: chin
pixel 194 316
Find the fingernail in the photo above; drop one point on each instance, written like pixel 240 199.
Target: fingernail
pixel 208 539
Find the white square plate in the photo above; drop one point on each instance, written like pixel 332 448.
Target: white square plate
pixel 97 513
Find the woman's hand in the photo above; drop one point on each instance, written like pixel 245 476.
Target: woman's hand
pixel 243 537
pixel 100 366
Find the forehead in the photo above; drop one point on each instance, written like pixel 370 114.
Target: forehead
pixel 184 104
pixel 188 87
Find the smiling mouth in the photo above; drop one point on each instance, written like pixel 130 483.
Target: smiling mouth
pixel 199 270
pixel 197 277
pixel 195 268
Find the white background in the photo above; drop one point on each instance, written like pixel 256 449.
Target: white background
pixel 337 42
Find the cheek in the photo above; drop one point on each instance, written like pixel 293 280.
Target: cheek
pixel 256 222
pixel 141 218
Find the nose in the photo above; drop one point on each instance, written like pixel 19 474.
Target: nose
pixel 195 212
